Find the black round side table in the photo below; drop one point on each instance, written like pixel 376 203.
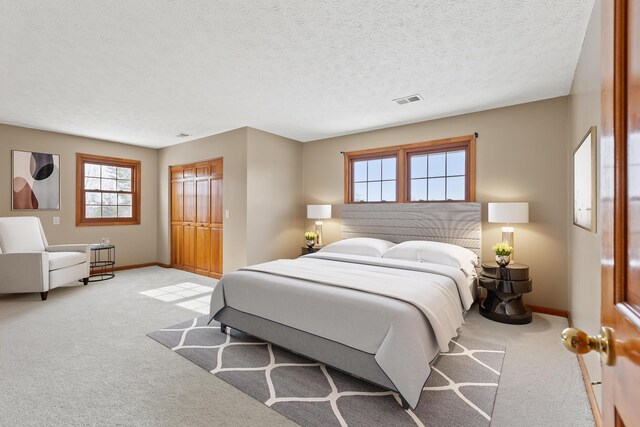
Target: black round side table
pixel 505 286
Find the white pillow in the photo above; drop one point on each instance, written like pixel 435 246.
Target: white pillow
pixel 359 246
pixel 435 252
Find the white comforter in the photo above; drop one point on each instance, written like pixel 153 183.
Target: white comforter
pixel 402 312
pixel 438 303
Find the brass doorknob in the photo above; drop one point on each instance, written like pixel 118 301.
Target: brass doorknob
pixel 580 342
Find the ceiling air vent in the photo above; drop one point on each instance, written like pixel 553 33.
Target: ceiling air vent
pixel 183 135
pixel 408 99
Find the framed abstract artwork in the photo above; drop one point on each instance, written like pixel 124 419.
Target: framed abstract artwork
pixel 35 181
pixel 584 182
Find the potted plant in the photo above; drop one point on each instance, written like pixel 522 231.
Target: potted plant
pixel 503 253
pixel 310 237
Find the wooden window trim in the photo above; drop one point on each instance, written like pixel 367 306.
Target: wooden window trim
pixel 403 173
pixel 136 174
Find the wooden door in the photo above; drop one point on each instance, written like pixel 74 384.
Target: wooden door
pixel 189 222
pixel 203 204
pixel 196 217
pixel 620 201
pixel 216 217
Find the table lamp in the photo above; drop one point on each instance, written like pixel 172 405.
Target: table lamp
pixel 509 213
pixel 319 212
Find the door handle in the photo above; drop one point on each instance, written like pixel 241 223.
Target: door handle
pixel 579 342
pixel 610 349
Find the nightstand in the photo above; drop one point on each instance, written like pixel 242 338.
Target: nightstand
pixel 307 250
pixel 505 286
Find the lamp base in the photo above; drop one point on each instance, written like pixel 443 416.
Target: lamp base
pixel 319 232
pixel 507 237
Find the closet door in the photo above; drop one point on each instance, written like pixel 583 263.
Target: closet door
pixel 216 218
pixel 196 217
pixel 189 220
pixel 177 206
pixel 203 236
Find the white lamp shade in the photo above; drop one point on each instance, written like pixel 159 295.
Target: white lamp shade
pixel 318 211
pixel 513 213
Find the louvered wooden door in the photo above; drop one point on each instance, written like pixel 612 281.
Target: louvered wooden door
pixel 196 217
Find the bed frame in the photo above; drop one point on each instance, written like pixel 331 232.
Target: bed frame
pixel 456 223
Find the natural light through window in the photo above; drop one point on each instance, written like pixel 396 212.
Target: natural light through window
pixel 107 191
pixel 374 180
pixel 437 171
pixel 437 176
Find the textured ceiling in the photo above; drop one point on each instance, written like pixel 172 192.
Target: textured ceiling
pixel 143 71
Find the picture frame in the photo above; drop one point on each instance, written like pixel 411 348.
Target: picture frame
pixel 584 182
pixel 35 181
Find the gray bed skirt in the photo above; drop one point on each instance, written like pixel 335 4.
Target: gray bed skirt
pixel 339 356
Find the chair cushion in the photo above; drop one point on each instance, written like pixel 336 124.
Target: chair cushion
pixel 58 260
pixel 21 234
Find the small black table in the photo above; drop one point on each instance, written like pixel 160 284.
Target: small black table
pixel 102 263
pixel 304 250
pixel 505 286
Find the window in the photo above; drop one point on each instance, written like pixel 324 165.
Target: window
pixel 108 191
pixel 433 171
pixel 375 180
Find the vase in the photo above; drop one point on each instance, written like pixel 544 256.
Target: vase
pixel 503 260
pixel 310 243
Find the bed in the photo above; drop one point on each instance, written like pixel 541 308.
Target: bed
pixel 379 318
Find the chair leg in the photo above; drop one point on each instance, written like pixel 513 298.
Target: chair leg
pixel 85 281
pixel 44 295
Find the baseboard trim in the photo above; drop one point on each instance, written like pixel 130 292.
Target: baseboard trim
pixel 132 266
pixel 548 310
pixel 587 384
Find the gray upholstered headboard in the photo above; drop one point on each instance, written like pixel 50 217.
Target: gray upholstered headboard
pixel 456 223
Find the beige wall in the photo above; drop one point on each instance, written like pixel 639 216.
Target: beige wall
pixel 521 156
pixel 232 147
pixel 136 244
pixel 274 197
pixel 583 247
pixel 262 190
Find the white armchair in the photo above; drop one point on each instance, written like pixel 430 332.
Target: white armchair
pixel 29 264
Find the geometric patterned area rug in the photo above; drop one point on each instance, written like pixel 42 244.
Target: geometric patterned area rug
pixel 461 389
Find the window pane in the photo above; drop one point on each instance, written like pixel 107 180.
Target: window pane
pixel 91 198
pixel 388 190
pixel 375 170
pixel 389 168
pixel 108 171
pixel 123 185
pixel 124 211
pixel 419 166
pixel 109 212
pixel 360 171
pixel 455 188
pixel 92 183
pixel 436 189
pixel 436 166
pixel 418 190
pixel 455 163
pixel 108 184
pixel 93 212
pixel 91 170
pixel 110 199
pixel 360 192
pixel 124 199
pixel 374 192
pixel 123 173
